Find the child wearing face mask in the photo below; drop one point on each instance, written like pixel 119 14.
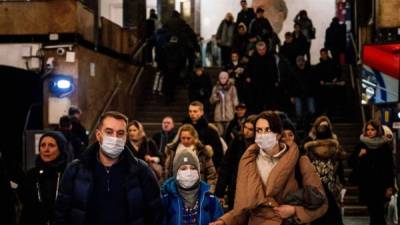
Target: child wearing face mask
pixel 186 199
pixel 224 97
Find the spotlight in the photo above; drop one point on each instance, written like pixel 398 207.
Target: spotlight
pixel 61 85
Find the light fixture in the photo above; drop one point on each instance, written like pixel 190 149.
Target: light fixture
pixel 61 85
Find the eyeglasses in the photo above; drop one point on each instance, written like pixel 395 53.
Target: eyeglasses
pixel 265 130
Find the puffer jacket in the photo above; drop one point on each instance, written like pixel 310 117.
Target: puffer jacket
pixel 142 190
pixel 209 206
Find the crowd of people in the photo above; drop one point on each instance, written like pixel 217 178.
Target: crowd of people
pixel 266 175
pixel 247 166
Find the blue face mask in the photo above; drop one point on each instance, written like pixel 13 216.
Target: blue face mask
pixel 266 141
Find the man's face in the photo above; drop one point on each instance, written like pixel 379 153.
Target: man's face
pixel 235 57
pixel 275 10
pixel 324 55
pixel 198 71
pixel 262 50
pixel 243 4
pixel 195 113
pixel 242 30
pixel 240 112
pixel 111 127
pixel 248 130
pixel 167 124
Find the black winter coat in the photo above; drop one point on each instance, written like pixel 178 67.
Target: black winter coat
pixel 40 191
pixel 7 212
pixel 245 16
pixel 208 136
pixel 229 169
pixel 200 87
pixel 163 138
pixel 142 190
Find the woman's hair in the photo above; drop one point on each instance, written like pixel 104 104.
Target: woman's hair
pixel 376 124
pixel 190 129
pixel 139 126
pixel 275 123
pixel 317 122
pixel 62 143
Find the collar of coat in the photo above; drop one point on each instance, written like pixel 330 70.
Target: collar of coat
pixel 256 192
pixel 325 148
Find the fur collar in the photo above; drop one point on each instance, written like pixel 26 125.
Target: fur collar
pixel 325 148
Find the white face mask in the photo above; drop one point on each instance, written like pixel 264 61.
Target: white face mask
pixel 112 146
pixel 187 178
pixel 266 141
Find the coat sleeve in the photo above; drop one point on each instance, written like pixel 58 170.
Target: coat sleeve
pixel 64 200
pixel 218 211
pixel 211 173
pixel 234 97
pixel 225 173
pixel 213 97
pixel 151 198
pixel 311 178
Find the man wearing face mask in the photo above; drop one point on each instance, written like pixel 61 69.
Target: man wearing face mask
pixel 186 199
pixel 266 177
pixel 106 184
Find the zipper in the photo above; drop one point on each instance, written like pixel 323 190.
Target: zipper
pixel 57 185
pixel 38 191
pixel 179 211
pixel 201 207
pixel 108 178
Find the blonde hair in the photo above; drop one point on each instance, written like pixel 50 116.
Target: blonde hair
pixel 190 129
pixel 139 126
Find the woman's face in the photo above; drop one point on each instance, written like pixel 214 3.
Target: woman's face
pixel 223 78
pixel 248 130
pixel 186 138
pixel 371 131
pixel 48 149
pixel 288 137
pixel 134 133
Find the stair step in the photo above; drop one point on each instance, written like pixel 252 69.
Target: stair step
pixel 355 210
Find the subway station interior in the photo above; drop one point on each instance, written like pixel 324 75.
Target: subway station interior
pixel 64 64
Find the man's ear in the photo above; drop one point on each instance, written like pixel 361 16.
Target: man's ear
pixel 98 135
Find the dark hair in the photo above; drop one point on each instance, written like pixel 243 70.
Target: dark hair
pixel 73 110
pixel 275 123
pixel 288 125
pixel 65 121
pixel 61 141
pixel 376 124
pixel 259 9
pixel 287 34
pixel 197 103
pixel 113 114
pixel 323 50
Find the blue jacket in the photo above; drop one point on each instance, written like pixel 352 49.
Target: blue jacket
pixel 142 190
pixel 210 208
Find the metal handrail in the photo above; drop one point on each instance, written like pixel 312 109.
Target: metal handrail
pixel 105 107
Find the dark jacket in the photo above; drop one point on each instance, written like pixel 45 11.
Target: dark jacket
pixel 7 212
pixel 40 191
pixel 209 206
pixel 335 37
pixel 245 16
pixel 261 27
pixel 304 83
pixel 200 87
pixel 80 131
pixel 327 70
pixel 163 138
pixel 234 127
pixel 229 169
pixel 208 136
pixel 147 147
pixel 142 191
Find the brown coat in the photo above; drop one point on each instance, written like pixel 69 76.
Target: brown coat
pixel 254 199
pixel 224 107
pixel 204 153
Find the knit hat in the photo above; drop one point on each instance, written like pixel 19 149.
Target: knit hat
pixel 185 157
pixel 288 125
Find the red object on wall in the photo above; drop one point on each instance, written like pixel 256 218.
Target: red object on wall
pixel 383 57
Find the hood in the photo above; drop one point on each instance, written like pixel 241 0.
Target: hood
pixel 324 149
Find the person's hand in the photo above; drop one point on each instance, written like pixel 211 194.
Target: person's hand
pixel 218 222
pixel 248 80
pixel 389 192
pixel 284 211
pixel 322 82
pixel 292 100
pixel 363 152
pixel 147 158
pixel 222 201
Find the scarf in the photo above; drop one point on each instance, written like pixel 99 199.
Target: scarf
pixel 372 143
pixel 190 195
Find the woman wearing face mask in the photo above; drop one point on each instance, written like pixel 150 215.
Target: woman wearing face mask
pixel 325 153
pixel 186 199
pixel 143 148
pixel 224 97
pixel 229 168
pixel 42 182
pixel 372 162
pixel 267 176
pixel 187 138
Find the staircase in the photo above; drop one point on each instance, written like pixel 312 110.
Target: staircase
pixel 152 108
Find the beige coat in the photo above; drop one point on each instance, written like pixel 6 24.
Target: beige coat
pixel 224 104
pixel 254 199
